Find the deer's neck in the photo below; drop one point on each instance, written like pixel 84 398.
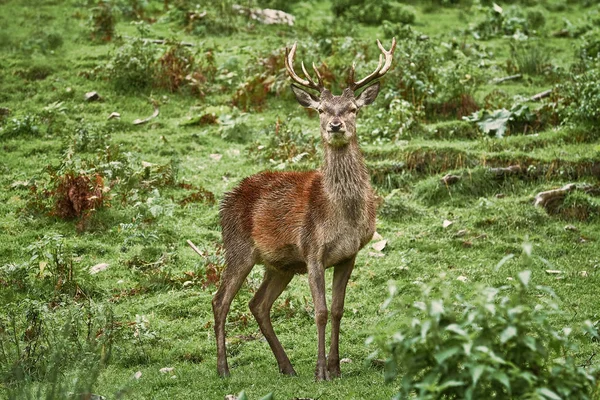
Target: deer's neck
pixel 346 178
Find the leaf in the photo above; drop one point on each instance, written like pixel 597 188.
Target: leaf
pixel 476 373
pixel 443 355
pixel 449 384
pixel 497 8
pixel 446 223
pixel 549 394
pixel 267 397
pixel 495 122
pixel 456 329
pixel 503 261
pixel 524 277
pixel 502 378
pixel 437 309
pixel 508 334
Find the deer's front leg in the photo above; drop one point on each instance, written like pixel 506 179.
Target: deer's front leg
pixel 341 275
pixel 316 281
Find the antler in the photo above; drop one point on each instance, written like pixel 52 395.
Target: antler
pixel 308 82
pixel 381 69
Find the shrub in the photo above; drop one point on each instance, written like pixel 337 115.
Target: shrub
pixel 491 343
pixel 286 144
pixel 373 13
pixel 530 58
pixel 580 98
pixel 174 66
pixel 102 21
pixel 133 66
pixel 53 354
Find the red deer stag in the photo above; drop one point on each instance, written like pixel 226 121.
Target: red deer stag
pixel 303 222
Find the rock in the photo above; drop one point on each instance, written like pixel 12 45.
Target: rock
pixel 92 96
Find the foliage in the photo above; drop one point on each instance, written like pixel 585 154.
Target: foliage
pixel 286 145
pixel 580 98
pixel 508 22
pixel 498 342
pixel 500 122
pixel 103 21
pixel 373 13
pixel 133 66
pixel 529 57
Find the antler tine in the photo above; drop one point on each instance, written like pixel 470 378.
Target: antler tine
pixel 308 82
pixel 319 77
pixel 382 67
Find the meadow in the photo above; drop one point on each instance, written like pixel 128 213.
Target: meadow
pixel 123 123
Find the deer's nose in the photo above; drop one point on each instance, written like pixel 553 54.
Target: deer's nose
pixel 336 125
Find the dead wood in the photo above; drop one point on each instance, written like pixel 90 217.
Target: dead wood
pixel 197 250
pixel 450 179
pixel 507 78
pixel 542 95
pixel 550 197
pixel 504 171
pixel 140 121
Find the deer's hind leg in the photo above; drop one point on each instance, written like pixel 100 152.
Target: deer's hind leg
pixel 274 282
pixel 239 262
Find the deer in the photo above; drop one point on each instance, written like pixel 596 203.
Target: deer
pixel 303 222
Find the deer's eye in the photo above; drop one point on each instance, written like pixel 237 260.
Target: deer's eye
pixel 320 110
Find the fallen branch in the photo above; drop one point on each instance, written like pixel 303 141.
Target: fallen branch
pixel 163 41
pixel 506 78
pixel 197 250
pixel 542 95
pixel 543 199
pixel 154 115
pixel 450 179
pixel 510 170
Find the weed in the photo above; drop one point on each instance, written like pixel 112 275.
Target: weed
pixel 102 21
pixel 373 13
pixel 286 143
pixel 530 57
pixel 133 66
pixel 498 342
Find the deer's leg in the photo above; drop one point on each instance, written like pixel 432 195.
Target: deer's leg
pixel 316 281
pixel 232 278
pixel 341 275
pixel 271 288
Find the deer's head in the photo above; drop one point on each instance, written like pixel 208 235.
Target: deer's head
pixel 338 113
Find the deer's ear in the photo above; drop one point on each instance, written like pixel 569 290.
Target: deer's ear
pixel 368 95
pixel 304 98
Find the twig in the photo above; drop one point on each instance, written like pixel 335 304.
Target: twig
pixel 193 246
pixel 541 95
pixel 507 78
pixel 154 115
pixel 588 362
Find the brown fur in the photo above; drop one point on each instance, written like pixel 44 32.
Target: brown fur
pixel 301 222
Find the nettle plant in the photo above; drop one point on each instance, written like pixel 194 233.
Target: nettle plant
pixel 495 343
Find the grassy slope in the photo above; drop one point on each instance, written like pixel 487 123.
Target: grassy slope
pixel 418 249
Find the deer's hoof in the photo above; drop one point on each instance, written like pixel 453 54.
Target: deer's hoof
pixel 321 374
pixel 289 371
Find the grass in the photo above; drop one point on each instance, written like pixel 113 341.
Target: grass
pixel 158 288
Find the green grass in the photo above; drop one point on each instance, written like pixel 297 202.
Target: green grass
pixel 484 228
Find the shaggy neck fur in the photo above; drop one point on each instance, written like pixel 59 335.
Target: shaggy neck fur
pixel 346 178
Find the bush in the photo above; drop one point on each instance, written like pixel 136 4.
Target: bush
pixel 133 66
pixel 580 98
pixel 530 58
pixel 102 21
pixel 492 343
pixel 373 13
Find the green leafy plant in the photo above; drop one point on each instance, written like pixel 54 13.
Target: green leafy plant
pixel 373 12
pixel 500 122
pixel 103 21
pixel 494 343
